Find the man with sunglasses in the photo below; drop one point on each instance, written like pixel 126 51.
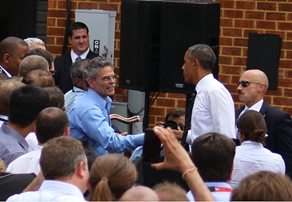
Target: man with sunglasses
pixel 89 118
pixel 252 86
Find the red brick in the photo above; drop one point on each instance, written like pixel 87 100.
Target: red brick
pixel 232 32
pixel 265 25
pixel 247 31
pixel 51 21
pixel 52 4
pixel 254 15
pixel 225 41
pixel 284 7
pixel 61 22
pixel 224 78
pixel 176 95
pixel 226 22
pixel 282 101
pixel 239 61
pixel 289 16
pixel 266 6
pixel 275 92
pixel 275 16
pixel 289 54
pixel 227 4
pixel 240 42
pixel 284 82
pixel 282 34
pixel 244 23
pixel 285 26
pixel 225 60
pixel 287 110
pixel 289 36
pixel 231 51
pixel 74 5
pixel 157 111
pixel 244 51
pixel 232 14
pixel 245 5
pixel 235 78
pixel 57 13
pixel 230 70
pixel 108 7
pixel 287 92
pixel 50 40
pixel 56 31
pixel 231 87
pixel 288 74
pixel 286 45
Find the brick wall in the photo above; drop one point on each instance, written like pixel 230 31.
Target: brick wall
pixel 238 19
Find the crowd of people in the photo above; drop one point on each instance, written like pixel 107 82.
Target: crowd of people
pixel 57 142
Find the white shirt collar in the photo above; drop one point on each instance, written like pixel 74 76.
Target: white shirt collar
pixel 256 107
pixel 204 81
pixel 74 55
pixel 6 72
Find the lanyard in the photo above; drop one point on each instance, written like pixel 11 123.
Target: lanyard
pixel 220 189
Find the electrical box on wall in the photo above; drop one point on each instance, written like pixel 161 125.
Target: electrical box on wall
pixel 101 25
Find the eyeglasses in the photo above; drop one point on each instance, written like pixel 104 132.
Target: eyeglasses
pixel 245 83
pixel 107 78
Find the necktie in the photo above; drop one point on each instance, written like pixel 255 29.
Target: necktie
pixel 188 120
pixel 78 58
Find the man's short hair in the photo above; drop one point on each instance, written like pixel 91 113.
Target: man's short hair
pixel 32 62
pixel 6 89
pixel 204 54
pixel 26 103
pixel 175 114
pixel 77 69
pixel 34 40
pixel 60 158
pixel 76 26
pixel 9 45
pixel 213 155
pixel 95 65
pixel 44 53
pixel 51 122
pixel 167 191
pixel 40 78
pixel 263 186
pixel 56 97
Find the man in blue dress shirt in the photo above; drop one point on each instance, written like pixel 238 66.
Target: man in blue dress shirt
pixel 89 118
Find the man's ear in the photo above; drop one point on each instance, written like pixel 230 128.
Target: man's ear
pixel 67 132
pixel 230 174
pixel 81 169
pixel 70 40
pixel 77 82
pixel 6 58
pixel 90 82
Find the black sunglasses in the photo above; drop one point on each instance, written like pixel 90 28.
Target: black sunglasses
pixel 245 83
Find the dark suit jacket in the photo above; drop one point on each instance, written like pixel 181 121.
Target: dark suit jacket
pixel 62 66
pixel 279 127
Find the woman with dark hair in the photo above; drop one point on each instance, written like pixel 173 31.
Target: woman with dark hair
pixel 251 156
pixel 110 176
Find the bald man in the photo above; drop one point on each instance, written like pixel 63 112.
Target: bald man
pixel 139 193
pixel 252 86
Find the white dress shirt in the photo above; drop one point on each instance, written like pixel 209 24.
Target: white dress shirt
pixel 251 157
pixel 32 141
pixel 213 109
pixel 27 163
pixel 51 190
pixel 74 55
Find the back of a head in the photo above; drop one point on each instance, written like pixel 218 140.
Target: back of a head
pixel 6 89
pixel 34 42
pixel 139 193
pixel 110 176
pixel 26 103
pixel 167 191
pixel 56 97
pixel 32 62
pixel 253 126
pixel 43 53
pixel 204 54
pixel 89 152
pixel 77 69
pixel 60 158
pixel 213 155
pixel 50 123
pixel 175 114
pixel 263 186
pixel 39 78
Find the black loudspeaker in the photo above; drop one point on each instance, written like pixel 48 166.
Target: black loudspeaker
pixel 184 24
pixel 140 42
pixel 263 53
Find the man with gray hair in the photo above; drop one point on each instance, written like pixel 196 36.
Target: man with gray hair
pixel 89 118
pixel 32 62
pixel 213 108
pixel 64 166
pixel 79 83
pixel 34 42
pixel 12 50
